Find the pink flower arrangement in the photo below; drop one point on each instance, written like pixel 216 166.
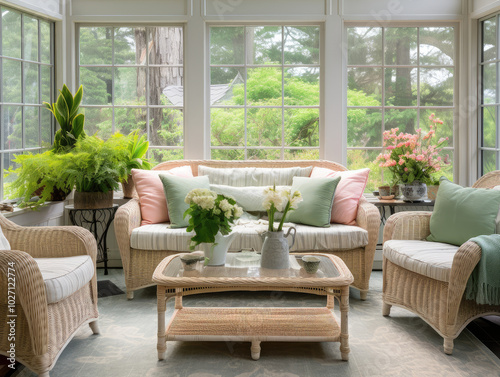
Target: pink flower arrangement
pixel 413 157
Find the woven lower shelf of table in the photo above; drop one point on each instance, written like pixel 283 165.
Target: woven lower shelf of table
pixel 244 324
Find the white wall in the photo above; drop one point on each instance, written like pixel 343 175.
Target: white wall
pixel 52 9
pixel 481 8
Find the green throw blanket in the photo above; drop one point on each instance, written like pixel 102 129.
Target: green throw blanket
pixel 483 285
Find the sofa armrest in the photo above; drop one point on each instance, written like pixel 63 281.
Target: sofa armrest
pixel 127 218
pixel 408 225
pixel 29 293
pixel 368 218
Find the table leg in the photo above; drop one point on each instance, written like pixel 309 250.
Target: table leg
pixel 344 329
pixel 255 349
pixel 162 307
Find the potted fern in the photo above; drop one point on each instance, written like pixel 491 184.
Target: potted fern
pixel 38 175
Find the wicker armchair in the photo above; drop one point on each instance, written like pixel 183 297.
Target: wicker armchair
pixel 440 303
pixel 42 330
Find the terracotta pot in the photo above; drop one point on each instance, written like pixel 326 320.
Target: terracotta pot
pixel 92 200
pixel 128 187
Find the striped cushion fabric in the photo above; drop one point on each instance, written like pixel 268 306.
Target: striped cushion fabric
pixel 335 237
pixel 431 259
pixel 253 176
pixel 65 276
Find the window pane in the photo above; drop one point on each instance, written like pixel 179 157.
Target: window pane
pixel 359 159
pixel 227 45
pixel 365 46
pixel 404 119
pixel 436 87
pixel 489 81
pixel 489 39
pixel 46 127
pixel 11 83
pixel 45 41
pixel 95 45
pixel 11 33
pixel 160 155
pixel 165 45
pixel 130 119
pixel 46 82
pixel 436 45
pixel 264 45
pixel 31 83
pixel 364 86
pixel 489 126
pixel 227 154
pixel 97 85
pixel 364 127
pixel 264 87
pixel 301 44
pixel 489 161
pixel 400 86
pixel 227 127
pixel 130 45
pixel 301 154
pixel 30 38
pixel 166 86
pixel 12 126
pixel 166 127
pixel 130 86
pixel 442 130
pixel 264 154
pixel 400 46
pixel 98 120
pixel 264 127
pixel 227 86
pixel 31 127
pixel 302 127
pixel 302 86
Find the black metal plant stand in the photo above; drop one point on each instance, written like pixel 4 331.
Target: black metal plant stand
pixel 97 221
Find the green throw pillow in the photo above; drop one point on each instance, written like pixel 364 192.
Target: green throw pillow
pixel 317 195
pixel 176 189
pixel 462 213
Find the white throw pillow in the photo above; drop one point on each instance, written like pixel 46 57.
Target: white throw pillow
pixel 242 177
pixel 250 198
pixel 4 242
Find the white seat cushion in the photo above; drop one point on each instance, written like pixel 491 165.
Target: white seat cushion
pixel 65 276
pixel 431 259
pixel 335 237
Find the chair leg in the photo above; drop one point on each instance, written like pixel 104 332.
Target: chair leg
pixel 363 294
pixel 94 326
pixel 448 346
pixel 130 295
pixel 386 309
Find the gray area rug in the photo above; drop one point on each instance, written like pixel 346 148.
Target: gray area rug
pixel 400 345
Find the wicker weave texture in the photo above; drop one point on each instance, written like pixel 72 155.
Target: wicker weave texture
pixel 441 304
pixel 139 265
pixel 42 331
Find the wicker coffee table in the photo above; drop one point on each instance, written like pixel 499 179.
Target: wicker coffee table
pixel 253 324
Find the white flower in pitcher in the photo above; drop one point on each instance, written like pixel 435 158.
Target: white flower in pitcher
pixel 273 197
pixel 238 211
pixel 295 199
pixel 205 202
pixel 225 206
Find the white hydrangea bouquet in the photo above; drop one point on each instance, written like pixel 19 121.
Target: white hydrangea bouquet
pixel 209 213
pixel 280 200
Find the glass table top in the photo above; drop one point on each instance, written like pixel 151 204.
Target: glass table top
pixel 247 265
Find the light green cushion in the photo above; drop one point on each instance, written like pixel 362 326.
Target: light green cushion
pixel 317 195
pixel 176 189
pixel 462 213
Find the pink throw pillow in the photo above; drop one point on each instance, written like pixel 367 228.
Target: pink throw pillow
pixel 151 194
pixel 348 192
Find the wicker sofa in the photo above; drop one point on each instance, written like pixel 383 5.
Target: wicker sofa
pixel 139 264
